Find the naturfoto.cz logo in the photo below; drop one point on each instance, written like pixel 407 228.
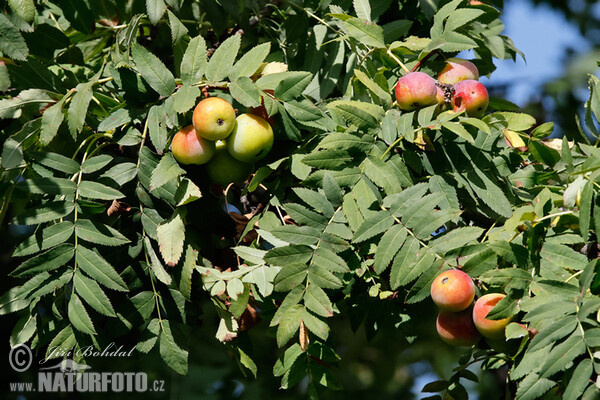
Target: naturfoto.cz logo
pixel 70 376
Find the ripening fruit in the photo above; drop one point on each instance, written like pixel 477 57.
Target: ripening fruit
pixel 214 118
pixel 453 290
pixel 491 329
pixel 415 90
pixel 457 70
pixel 224 169
pixel 251 139
pixel 470 96
pixel 457 329
pixel 189 148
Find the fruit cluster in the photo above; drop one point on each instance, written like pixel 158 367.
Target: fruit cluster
pixel 457 86
pixel 458 323
pixel 226 144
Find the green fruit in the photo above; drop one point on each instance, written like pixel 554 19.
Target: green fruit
pixel 224 169
pixel 214 118
pixel 252 138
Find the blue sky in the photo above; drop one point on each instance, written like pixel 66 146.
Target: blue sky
pixel 542 35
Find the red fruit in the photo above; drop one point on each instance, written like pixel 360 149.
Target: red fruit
pixel 453 290
pixel 470 96
pixel 491 329
pixel 457 329
pixel 457 70
pixel 189 148
pixel 415 90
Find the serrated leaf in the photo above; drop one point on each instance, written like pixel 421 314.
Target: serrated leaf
pixel 403 261
pixel 79 15
pixel 365 32
pixel 317 301
pixel 282 256
pixel 153 71
pixel 297 234
pixel 189 263
pixel 292 86
pixel 171 235
pixel 52 186
pixel 79 316
pixel 459 130
pixel 358 113
pixel 323 278
pixel 328 159
pixel 315 325
pixel 304 216
pixel 220 63
pixel 375 225
pixel 78 107
pixel 185 98
pixel 93 294
pixel 330 261
pixel 48 261
pixel 562 256
pixel 94 265
pixel 249 63
pixel 303 111
pixel 178 29
pixel 290 276
pixel 52 118
pixel 115 120
pixel 44 213
pixel 95 232
pixel 382 174
pixel 65 339
pixel 95 190
pixel 373 87
pixel 12 151
pixel 455 239
pixel 289 324
pixel 155 10
pixel 48 237
pixel 194 61
pixel 157 129
pixel 95 164
pixel 157 267
pixel 579 380
pixel 389 245
pixel 488 192
pixel 24 8
pixel 245 92
pixel 12 43
pixel 172 349
pixel 562 354
pixel 316 200
pixel 332 190
pixel 362 8
pixel 167 170
pixel 58 162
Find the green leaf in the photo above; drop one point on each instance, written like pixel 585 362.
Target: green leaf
pixel 289 324
pixel 24 8
pixel 115 120
pixel 157 267
pixel 11 301
pixel 282 256
pixel 245 92
pixel 12 43
pixel 52 118
pixel 323 278
pixel 487 191
pixel 23 330
pixel 155 10
pixel 156 128
pixel 153 70
pixel 316 300
pixel 513 121
pixel 375 225
pixel 328 159
pixel 304 216
pixel 316 200
pixel 95 164
pixel 193 63
pixel 44 213
pixel 78 107
pixel 96 232
pixel 403 262
pixel 358 113
pixel 456 239
pixel 187 192
pixel 79 316
pixel 579 380
pixel 382 174
pixel 533 387
pixel 449 198
pixel 167 170
pixel 95 190
pixel 332 190
pixel 365 32
pixel 462 17
pixel 544 153
pixel 172 350
pixel 328 260
pixel 48 237
pixel 189 263
pixel 389 245
pixel 290 276
pixel 93 294
pixel 315 325
pixel 297 234
pixel 178 30
pixel 292 86
pixel 220 63
pixel 562 354
pixel 51 186
pixel 562 256
pixel 48 261
pixel 12 151
pixel 250 62
pixel 94 265
pixel 363 9
pixel 58 162
pixel 65 339
pixel 459 130
pixel 303 111
pixel 171 235
pixel 373 87
pixel 185 98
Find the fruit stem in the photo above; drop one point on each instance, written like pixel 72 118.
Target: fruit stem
pixel 553 215
pixel 400 63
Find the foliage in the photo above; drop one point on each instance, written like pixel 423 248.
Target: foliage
pixel 126 241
